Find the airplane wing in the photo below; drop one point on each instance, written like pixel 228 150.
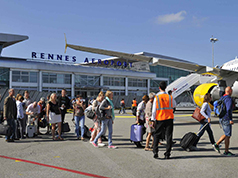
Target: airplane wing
pixel 180 65
pixel 110 53
pixel 154 61
pixel 228 75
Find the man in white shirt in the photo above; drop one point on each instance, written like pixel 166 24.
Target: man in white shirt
pixel 33 111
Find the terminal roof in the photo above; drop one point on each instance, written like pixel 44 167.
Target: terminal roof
pixel 10 39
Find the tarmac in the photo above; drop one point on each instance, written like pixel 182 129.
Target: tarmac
pixel 43 157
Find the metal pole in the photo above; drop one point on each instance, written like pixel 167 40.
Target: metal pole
pixel 212 53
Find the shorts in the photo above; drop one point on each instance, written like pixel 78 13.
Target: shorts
pixel 227 128
pixel 97 124
pixel 149 129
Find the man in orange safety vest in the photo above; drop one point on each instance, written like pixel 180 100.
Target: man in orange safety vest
pixel 163 117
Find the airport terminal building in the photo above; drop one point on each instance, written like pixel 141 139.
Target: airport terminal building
pixel 52 75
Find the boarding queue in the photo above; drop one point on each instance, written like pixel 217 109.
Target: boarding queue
pixel 154 116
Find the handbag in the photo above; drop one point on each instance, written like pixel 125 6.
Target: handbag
pixel 90 114
pixel 198 116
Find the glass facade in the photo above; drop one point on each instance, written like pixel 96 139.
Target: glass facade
pixel 113 81
pixel 168 72
pixel 155 83
pixel 4 76
pixel 118 92
pixel 56 90
pixel 24 88
pixel 137 92
pixel 24 76
pixel 87 80
pixel 56 78
pixel 133 82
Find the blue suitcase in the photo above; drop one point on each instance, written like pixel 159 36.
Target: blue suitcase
pixel 136 133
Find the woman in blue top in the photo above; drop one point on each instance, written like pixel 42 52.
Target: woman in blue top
pixel 206 112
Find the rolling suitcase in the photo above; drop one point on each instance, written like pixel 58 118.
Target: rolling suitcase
pixel 31 131
pixel 136 133
pixel 189 138
pixel 87 133
pixel 65 127
pixel 5 130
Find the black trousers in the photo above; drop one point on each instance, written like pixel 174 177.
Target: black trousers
pixel 163 128
pixel 63 112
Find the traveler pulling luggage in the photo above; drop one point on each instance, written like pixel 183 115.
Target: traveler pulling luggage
pixel 189 138
pixel 136 133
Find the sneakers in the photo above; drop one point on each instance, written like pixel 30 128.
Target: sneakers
pixel 193 148
pixel 101 144
pixel 112 147
pixel 216 148
pixel 228 153
pixel 156 155
pixel 94 144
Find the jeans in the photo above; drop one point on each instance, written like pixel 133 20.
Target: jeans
pixel 104 124
pixel 161 128
pixel 78 119
pixel 11 123
pixel 122 108
pixel 21 123
pixel 16 129
pixel 209 131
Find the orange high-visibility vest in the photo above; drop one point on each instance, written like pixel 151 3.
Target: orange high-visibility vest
pixel 164 107
pixel 134 104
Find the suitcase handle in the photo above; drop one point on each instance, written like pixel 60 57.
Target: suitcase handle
pixel 202 128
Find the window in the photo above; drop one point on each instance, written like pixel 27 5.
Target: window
pixel 56 78
pixel 23 76
pixel 87 80
pixel 113 81
pixel 118 92
pixel 155 83
pixel 137 82
pixel 168 72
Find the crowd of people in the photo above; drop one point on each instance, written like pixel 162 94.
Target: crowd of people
pixel 21 112
pixel 155 111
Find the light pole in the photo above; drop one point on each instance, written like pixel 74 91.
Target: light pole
pixel 213 40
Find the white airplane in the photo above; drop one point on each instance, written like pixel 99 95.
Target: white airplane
pixel 226 75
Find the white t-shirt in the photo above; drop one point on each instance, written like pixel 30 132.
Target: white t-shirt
pixel 35 110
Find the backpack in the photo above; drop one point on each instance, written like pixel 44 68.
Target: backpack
pixel 89 112
pixel 101 114
pixel 220 107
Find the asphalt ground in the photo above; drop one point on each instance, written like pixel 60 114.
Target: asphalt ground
pixel 42 157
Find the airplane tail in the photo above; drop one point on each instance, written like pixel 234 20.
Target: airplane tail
pixel 66 45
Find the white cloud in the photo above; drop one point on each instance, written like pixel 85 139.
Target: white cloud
pixel 171 18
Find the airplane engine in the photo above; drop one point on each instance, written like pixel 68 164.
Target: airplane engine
pixel 202 89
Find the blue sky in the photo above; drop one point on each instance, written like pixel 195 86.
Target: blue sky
pixel 177 28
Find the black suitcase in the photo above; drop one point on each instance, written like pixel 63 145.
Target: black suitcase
pixel 5 130
pixel 189 138
pixel 65 127
pixel 87 133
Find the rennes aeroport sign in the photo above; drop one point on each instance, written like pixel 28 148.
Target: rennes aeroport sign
pixel 66 58
pixel 107 62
